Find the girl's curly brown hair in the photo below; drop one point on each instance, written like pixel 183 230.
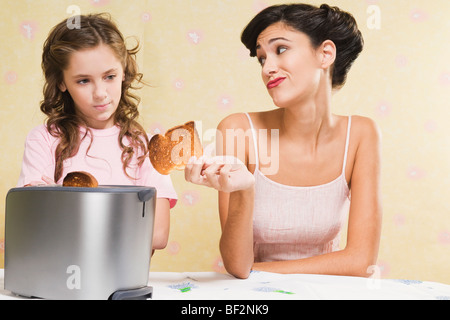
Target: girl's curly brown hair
pixel 62 121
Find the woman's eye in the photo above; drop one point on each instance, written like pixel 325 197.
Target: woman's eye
pixel 111 77
pixel 280 50
pixel 261 60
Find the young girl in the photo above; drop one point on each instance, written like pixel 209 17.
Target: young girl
pixel 91 116
pixel 289 221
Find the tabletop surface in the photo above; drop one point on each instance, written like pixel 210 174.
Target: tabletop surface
pixel 271 286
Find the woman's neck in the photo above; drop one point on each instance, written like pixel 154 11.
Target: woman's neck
pixel 309 120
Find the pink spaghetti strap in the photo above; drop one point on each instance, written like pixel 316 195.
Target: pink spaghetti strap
pixel 255 145
pixel 347 143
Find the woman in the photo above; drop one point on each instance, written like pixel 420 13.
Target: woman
pixel 289 221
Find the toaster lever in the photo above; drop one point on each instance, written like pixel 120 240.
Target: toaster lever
pixel 145 195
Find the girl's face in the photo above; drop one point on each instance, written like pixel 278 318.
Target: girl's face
pixel 94 80
pixel 290 65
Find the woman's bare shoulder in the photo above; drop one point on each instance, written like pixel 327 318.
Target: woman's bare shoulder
pixel 365 136
pixel 234 121
pixel 240 120
pixel 365 128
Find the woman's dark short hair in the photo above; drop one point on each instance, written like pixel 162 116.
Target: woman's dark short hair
pixel 320 24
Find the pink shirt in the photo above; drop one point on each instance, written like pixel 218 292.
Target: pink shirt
pixel 291 222
pixel 103 161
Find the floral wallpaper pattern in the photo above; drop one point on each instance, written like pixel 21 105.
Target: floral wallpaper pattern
pixel 198 70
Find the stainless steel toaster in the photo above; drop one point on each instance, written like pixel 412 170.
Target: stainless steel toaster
pixel 79 243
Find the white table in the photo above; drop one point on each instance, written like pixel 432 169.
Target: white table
pixel 271 286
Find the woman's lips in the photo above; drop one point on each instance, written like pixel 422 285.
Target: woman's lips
pixel 274 83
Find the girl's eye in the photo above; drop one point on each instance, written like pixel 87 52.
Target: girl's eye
pixel 110 77
pixel 83 81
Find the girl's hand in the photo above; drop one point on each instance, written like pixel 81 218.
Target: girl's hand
pixel 223 173
pixel 44 182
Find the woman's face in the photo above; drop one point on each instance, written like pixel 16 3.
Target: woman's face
pixel 290 65
pixel 94 80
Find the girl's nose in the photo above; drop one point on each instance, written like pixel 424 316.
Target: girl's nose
pixel 100 92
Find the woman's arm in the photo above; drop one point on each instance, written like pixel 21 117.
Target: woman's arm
pixel 236 194
pixel 364 226
pixel 236 208
pixel 236 242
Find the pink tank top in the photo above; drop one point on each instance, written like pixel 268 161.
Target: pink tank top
pixel 297 222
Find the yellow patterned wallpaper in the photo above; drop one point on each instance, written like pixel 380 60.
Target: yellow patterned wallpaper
pixel 192 56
